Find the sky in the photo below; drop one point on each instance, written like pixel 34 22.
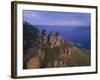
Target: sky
pixel 66 23
pixel 56 18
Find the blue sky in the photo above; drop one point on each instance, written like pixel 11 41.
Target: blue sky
pixel 66 23
pixel 56 18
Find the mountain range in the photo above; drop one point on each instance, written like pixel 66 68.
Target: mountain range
pixel 81 35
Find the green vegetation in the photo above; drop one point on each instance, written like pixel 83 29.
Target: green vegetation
pixel 30 34
pixel 50 56
pixel 79 58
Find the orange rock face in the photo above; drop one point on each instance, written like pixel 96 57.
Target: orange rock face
pixel 33 63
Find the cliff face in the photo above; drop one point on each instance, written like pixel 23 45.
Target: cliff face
pixel 48 51
pixel 58 56
pixel 67 55
pixel 43 55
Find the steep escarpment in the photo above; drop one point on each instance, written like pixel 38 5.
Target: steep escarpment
pixel 43 50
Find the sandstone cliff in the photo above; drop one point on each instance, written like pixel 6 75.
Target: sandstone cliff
pixel 42 50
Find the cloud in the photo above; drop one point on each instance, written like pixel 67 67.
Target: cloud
pixel 69 22
pixel 47 18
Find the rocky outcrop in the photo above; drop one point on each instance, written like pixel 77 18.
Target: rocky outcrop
pixel 49 51
pixel 62 53
pixel 43 50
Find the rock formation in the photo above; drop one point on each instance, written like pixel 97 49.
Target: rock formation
pixel 43 50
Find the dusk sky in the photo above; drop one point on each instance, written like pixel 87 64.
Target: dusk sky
pixel 56 18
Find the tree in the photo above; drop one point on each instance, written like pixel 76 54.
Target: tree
pixel 30 34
